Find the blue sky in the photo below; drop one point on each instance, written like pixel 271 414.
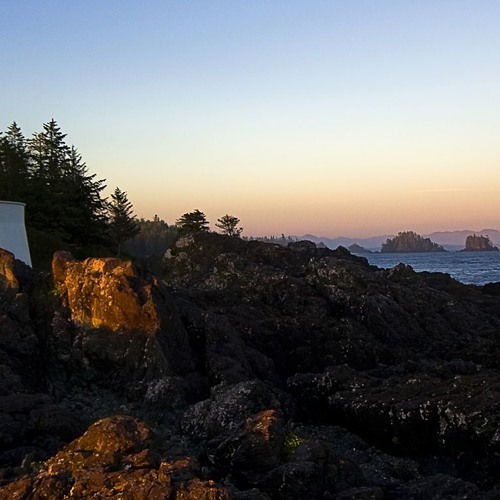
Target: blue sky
pixel 334 117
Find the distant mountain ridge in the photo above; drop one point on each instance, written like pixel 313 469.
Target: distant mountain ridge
pixel 459 237
pixel 450 240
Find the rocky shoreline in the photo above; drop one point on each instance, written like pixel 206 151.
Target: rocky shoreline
pixel 250 371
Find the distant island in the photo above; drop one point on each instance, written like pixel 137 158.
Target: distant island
pixel 479 243
pixel 450 240
pixel 410 242
pixel 355 248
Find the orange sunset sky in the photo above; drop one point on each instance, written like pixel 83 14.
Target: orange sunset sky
pixel 350 118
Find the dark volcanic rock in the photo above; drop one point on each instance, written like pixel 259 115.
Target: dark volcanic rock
pixel 421 414
pixel 407 360
pixel 18 338
pixel 265 372
pixel 229 407
pixel 32 424
pixel 308 311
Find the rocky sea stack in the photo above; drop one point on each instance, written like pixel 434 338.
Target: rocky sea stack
pixel 247 370
pixel 410 242
pixel 479 243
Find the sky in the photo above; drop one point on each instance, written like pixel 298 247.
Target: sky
pixel 332 117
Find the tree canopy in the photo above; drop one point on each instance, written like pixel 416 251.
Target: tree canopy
pixel 14 164
pixel 192 222
pixel 122 222
pixel 50 177
pixel 154 238
pixel 65 206
pixel 228 224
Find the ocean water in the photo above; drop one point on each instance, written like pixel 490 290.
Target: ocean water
pixel 475 268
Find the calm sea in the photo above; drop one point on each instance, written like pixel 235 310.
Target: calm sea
pixel 475 268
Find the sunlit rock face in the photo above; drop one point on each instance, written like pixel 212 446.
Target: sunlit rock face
pixel 116 329
pixel 117 457
pixel 106 293
pixel 7 275
pixel 15 276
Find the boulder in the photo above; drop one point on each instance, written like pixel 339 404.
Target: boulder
pixel 115 458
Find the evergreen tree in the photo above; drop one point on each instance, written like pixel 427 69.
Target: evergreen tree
pixel 229 225
pixel 49 153
pixel 48 201
pixel 192 222
pixel 14 161
pixel 62 197
pixel 123 224
pixel 64 203
pixel 85 218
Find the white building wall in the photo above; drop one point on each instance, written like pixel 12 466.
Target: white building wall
pixel 13 231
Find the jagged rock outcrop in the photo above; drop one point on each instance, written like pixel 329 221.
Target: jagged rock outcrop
pixel 117 330
pixel 249 371
pixel 115 458
pixel 105 293
pixel 404 358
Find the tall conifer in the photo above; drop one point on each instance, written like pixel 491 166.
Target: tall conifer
pixel 86 211
pixel 122 221
pixel 64 198
pixel 14 173
pixel 49 153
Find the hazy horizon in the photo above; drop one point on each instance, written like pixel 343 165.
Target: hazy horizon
pixel 335 118
pixel 452 236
